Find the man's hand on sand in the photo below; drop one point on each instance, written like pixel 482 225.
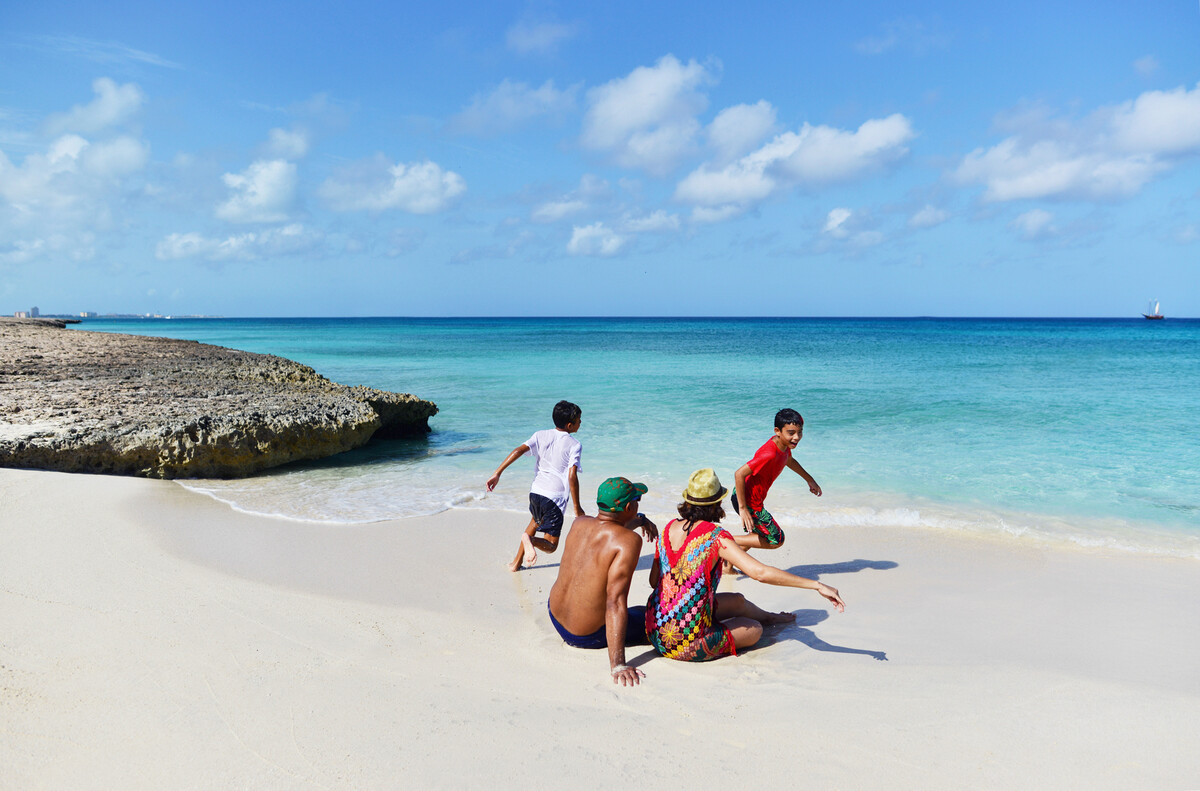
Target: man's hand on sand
pixel 627 676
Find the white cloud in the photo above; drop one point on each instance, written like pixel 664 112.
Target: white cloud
pixel 1160 123
pixel 556 210
pixel 114 104
pixel 737 130
pixel 287 144
pixel 528 37
pixel 647 119
pixel 596 239
pixel 1012 170
pixel 590 188
pixel 656 222
pixel 264 192
pixel 115 158
pixel 928 217
pixel 375 184
pixel 823 154
pixel 851 228
pixel 706 214
pixel 1112 153
pixel 835 223
pixel 273 242
pixel 511 105
pixel 1034 224
pixel 814 155
pixel 74 184
pixel 55 200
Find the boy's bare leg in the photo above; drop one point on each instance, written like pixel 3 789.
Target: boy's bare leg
pixel 749 541
pixel 525 550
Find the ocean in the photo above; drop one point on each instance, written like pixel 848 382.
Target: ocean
pixel 1078 430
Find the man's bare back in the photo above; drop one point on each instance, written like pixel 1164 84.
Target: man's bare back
pixel 589 600
pixel 595 550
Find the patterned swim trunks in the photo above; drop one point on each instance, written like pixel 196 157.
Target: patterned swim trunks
pixel 764 524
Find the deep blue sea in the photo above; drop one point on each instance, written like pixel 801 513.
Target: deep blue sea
pixel 1060 429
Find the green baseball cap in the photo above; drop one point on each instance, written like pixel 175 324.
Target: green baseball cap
pixel 616 493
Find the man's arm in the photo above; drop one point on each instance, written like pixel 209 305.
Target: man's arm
pixel 739 485
pixel 517 453
pixel 616 608
pixel 648 528
pixel 795 467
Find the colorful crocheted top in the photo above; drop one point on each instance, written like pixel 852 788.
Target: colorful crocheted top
pixel 679 613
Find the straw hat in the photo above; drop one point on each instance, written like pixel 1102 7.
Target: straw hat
pixel 704 489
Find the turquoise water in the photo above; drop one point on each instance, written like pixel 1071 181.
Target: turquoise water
pixel 1084 430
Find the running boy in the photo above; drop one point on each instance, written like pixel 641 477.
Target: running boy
pixel 755 477
pixel 556 474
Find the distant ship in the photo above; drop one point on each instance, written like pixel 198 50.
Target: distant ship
pixel 1154 311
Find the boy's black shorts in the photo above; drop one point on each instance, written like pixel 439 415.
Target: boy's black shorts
pixel 547 514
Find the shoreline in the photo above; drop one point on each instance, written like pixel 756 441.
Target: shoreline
pixel 151 637
pixel 832 512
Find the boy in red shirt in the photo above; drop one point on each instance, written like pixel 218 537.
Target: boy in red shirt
pixel 754 478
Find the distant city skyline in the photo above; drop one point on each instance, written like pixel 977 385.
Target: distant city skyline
pixel 513 159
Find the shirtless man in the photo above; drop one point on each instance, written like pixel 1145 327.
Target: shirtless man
pixel 589 601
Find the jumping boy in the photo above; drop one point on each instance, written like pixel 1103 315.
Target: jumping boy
pixel 556 457
pixel 754 478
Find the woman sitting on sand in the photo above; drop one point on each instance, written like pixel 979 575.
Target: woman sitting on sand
pixel 685 617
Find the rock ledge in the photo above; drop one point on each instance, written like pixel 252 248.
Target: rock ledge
pixel 78 401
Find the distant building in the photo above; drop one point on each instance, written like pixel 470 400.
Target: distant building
pixel 21 314
pixel 34 312
pixel 87 314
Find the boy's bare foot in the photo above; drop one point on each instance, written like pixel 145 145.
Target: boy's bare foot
pixel 778 617
pixel 530 553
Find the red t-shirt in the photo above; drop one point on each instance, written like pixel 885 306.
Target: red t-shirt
pixel 765 467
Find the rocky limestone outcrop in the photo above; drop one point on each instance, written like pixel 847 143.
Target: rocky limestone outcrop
pixel 79 401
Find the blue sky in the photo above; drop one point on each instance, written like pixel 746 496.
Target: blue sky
pixel 353 158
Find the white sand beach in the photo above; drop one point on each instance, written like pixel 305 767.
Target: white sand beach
pixel 153 638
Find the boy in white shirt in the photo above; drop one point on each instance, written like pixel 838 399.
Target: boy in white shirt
pixel 556 457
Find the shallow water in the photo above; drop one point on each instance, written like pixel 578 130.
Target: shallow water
pixel 1079 429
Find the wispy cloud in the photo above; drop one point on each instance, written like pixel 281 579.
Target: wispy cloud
pixel 100 51
pixel 511 105
pixel 540 38
pixel 911 35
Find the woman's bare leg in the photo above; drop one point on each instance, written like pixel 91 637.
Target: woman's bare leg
pixel 735 605
pixel 746 631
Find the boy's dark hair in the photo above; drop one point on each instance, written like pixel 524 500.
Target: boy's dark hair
pixel 788 417
pixel 701 513
pixel 565 412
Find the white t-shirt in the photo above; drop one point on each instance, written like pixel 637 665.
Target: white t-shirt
pixel 554 454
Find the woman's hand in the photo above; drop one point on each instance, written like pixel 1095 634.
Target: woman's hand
pixel 831 593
